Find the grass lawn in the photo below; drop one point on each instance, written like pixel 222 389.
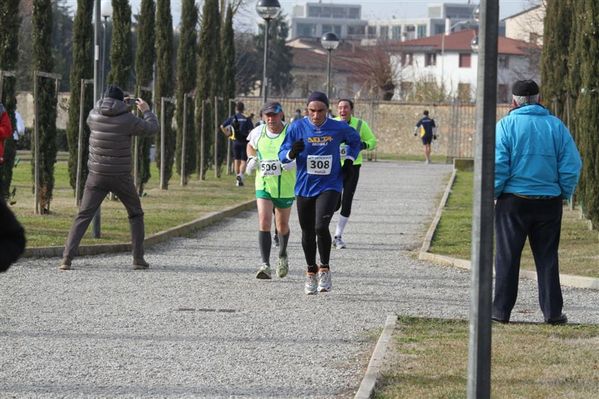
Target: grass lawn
pixel 163 209
pixel 578 246
pixel 430 358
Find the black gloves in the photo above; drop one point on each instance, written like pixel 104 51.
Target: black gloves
pixel 297 147
pixel 363 145
pixel 347 169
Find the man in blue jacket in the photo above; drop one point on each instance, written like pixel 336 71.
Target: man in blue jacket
pixel 537 166
pixel 314 143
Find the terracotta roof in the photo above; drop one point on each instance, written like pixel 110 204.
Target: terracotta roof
pixel 458 41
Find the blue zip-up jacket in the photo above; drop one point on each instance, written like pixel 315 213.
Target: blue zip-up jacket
pixel 319 165
pixel 535 154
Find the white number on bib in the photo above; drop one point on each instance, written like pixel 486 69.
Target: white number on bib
pixel 319 164
pixel 270 167
pixel 343 151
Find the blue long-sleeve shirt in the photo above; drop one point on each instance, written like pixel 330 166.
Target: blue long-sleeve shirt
pixel 535 154
pixel 319 165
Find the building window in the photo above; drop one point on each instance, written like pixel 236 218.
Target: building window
pixel 372 31
pixel 407 59
pixel 465 60
pixel 384 32
pixel 313 11
pixel 336 29
pixel 503 93
pixel 354 13
pixel 503 61
pixel 421 31
pixel 396 32
pixel 306 30
pixel 430 59
pixel 356 30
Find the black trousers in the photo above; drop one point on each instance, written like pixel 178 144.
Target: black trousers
pixel 315 215
pixel 349 189
pixel 540 220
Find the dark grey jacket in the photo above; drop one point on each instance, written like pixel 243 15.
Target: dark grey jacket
pixel 112 125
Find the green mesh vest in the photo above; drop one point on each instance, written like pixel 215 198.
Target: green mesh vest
pixel 271 177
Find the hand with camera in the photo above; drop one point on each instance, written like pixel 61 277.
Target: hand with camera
pixel 297 147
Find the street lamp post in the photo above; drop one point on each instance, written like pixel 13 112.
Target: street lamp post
pixel 330 42
pixel 106 14
pixel 267 9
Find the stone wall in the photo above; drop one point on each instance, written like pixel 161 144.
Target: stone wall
pixel 392 122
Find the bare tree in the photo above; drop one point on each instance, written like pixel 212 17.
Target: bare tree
pixel 379 73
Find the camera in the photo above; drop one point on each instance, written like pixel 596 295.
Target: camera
pixel 132 102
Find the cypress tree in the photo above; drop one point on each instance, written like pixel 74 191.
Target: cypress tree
pixel 44 62
pixel 229 70
pixel 165 83
pixel 82 68
pixel 120 49
pixel 280 79
pixel 10 22
pixel 208 78
pixel 587 107
pixel 186 69
pixel 554 63
pixel 144 68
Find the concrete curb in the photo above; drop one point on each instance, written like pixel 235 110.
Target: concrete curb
pixel 567 280
pixel 376 361
pixel 159 237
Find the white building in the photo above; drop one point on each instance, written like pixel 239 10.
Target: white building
pixel 449 63
pixel 315 19
pixel 527 25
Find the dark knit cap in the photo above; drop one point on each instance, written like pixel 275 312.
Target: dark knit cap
pixel 525 88
pixel 318 96
pixel 114 92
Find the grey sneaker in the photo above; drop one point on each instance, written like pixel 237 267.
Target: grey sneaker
pixel 65 264
pixel 324 280
pixel 264 272
pixel 338 242
pixel 140 264
pixel 311 286
pixel 283 266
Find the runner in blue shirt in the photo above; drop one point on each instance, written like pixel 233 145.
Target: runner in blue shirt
pixel 428 130
pixel 314 143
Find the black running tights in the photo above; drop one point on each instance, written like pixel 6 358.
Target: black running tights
pixel 315 215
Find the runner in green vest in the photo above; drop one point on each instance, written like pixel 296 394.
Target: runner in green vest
pixel 345 109
pixel 275 184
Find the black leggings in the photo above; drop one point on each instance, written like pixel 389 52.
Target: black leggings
pixel 315 215
pixel 349 189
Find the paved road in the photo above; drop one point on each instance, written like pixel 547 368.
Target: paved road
pixel 198 324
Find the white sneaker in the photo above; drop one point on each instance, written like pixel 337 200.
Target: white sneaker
pixel 338 242
pixel 324 280
pixel 282 267
pixel 264 272
pixel 311 286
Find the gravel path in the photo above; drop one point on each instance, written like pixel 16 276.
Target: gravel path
pixel 198 324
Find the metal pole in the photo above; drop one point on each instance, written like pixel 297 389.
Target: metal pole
pixel 162 146
pixel 97 221
pixel 229 166
pixel 264 77
pixel 103 78
pixel 202 141
pixel 183 139
pixel 216 168
pixel 329 74
pixel 36 154
pixel 479 354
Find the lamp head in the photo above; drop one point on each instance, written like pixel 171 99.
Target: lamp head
pixel 268 9
pixel 329 41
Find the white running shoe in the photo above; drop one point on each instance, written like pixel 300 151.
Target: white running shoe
pixel 264 272
pixel 325 283
pixel 338 242
pixel 311 287
pixel 283 266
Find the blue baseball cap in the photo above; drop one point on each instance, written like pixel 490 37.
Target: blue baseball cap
pixel 272 108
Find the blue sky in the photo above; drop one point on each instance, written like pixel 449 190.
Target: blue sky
pixel 371 9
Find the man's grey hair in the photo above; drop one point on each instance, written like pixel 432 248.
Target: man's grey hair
pixel 523 100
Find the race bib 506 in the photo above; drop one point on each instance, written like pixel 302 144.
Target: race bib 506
pixel 270 167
